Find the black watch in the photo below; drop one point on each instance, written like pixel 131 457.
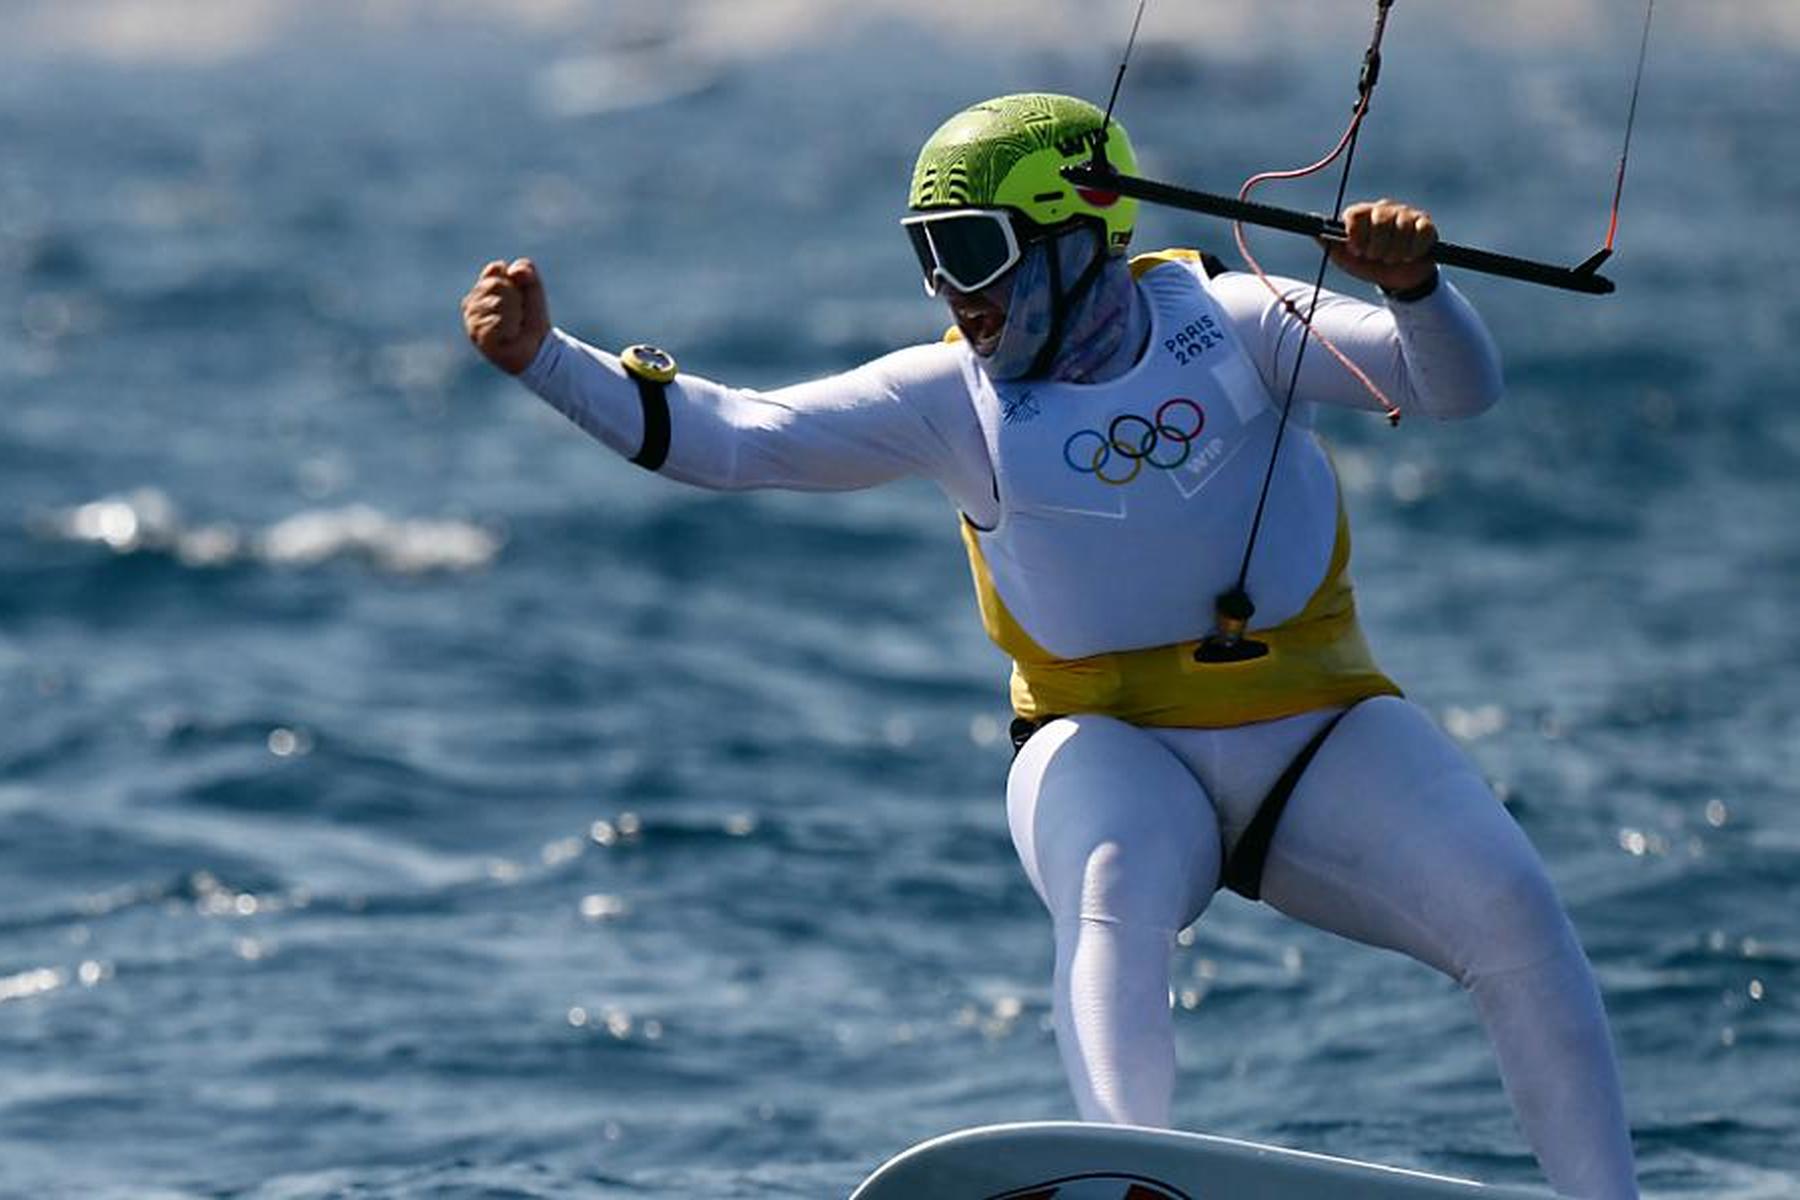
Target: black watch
pixel 653 370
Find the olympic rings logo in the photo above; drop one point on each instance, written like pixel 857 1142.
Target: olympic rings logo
pixel 1137 441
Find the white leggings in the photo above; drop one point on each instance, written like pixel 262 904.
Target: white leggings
pixel 1391 838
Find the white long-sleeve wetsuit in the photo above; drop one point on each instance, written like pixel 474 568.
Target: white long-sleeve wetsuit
pixel 1391 837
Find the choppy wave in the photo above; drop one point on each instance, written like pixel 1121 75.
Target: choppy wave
pixel 147 521
pixel 638 75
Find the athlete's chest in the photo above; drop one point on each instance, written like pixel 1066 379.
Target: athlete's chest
pixel 1149 442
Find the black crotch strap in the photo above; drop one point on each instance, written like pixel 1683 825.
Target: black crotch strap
pixel 1243 871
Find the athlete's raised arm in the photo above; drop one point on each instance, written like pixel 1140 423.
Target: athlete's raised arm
pixel 1425 346
pixel 904 414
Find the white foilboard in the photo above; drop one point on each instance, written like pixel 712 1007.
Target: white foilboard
pixel 1065 1160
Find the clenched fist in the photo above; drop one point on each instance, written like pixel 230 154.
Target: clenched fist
pixel 1387 244
pixel 507 315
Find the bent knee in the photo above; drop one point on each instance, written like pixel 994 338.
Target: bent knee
pixel 1512 918
pixel 1137 885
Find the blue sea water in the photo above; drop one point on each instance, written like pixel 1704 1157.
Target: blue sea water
pixel 401 796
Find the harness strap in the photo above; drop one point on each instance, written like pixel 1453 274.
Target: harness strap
pixel 1244 868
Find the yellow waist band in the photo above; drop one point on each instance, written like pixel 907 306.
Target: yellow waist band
pixel 1318 659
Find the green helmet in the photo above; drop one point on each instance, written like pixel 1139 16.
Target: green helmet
pixel 1009 153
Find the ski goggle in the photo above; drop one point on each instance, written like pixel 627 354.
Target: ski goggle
pixel 968 248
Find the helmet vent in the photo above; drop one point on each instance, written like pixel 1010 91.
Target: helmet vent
pixel 955 184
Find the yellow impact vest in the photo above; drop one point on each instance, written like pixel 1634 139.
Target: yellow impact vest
pixel 1317 659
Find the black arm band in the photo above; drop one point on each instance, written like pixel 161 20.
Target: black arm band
pixel 1417 292
pixel 655 448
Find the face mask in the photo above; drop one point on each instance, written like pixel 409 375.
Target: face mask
pixel 1102 322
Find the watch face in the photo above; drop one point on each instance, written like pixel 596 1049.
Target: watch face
pixel 652 362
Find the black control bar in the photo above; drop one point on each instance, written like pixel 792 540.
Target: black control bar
pixel 1583 278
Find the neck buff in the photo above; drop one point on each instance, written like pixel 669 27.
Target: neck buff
pixel 1102 324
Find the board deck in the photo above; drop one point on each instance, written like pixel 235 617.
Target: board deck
pixel 1066 1160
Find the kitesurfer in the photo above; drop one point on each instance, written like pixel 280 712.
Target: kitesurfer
pixel 1103 427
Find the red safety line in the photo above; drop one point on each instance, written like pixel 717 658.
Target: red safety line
pixel 1243 244
pixel 1637 85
